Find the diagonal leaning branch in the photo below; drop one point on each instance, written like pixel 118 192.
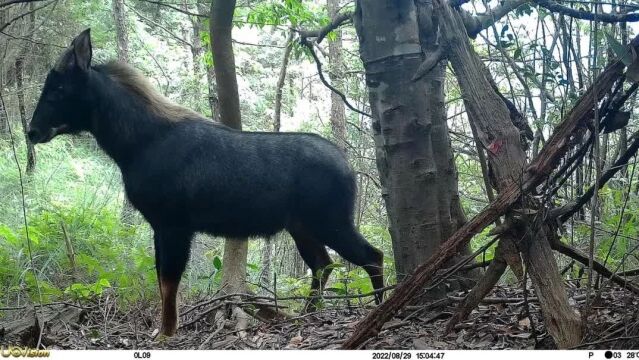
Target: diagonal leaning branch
pixel 535 174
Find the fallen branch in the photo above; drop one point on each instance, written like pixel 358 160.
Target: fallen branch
pixel 575 254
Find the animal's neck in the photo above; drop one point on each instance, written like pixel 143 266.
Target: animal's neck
pixel 121 123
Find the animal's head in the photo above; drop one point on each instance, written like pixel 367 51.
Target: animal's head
pixel 64 105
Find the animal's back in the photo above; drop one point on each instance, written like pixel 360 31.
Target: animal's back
pixel 233 183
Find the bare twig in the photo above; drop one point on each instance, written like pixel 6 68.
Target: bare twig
pixel 304 41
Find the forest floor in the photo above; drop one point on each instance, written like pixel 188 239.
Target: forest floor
pixel 498 323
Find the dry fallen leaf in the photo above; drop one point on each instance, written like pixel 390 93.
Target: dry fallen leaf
pixel 420 344
pixel 296 340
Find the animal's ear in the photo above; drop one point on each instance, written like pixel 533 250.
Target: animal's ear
pixel 78 55
pixel 82 50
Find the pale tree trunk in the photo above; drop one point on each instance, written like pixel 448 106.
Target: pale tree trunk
pixel 413 152
pixel 221 24
pixel 277 116
pixel 19 67
pixel 23 115
pixel 266 259
pixel 121 31
pixel 4 120
pixel 336 74
pixel 196 49
pixel 122 49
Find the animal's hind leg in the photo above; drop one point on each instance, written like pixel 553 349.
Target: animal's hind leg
pixel 352 246
pixel 172 248
pixel 317 259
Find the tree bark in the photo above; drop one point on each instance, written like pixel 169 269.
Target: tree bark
pixel 31 156
pixel 221 26
pixel 122 40
pixel 213 101
pixel 414 159
pixel 277 117
pixel 19 67
pixel 266 259
pixel 121 32
pixel 4 121
pixel 336 74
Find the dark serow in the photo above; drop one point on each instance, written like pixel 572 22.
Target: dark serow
pixel 186 174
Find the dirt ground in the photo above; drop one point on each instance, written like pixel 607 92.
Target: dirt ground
pixel 498 323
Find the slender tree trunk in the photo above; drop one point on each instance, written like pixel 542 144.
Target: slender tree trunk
pixel 213 100
pixel 336 74
pixel 277 118
pixel 122 40
pixel 4 120
pixel 265 273
pixel 31 157
pixel 121 31
pixel 196 48
pixel 19 67
pixel 221 25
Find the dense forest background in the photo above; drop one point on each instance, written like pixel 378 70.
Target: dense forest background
pixel 68 234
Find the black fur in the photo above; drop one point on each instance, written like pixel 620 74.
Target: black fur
pixel 191 175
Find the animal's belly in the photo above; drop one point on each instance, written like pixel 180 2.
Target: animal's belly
pixel 238 225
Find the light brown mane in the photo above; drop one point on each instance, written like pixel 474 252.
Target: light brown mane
pixel 136 83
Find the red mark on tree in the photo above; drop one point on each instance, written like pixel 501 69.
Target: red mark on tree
pixel 495 146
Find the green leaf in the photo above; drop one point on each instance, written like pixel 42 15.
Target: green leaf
pixel 620 51
pixel 217 263
pixel 517 54
pixel 5 232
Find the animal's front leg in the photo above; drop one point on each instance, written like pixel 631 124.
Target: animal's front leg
pixel 172 253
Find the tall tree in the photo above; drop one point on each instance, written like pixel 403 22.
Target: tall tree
pixel 336 74
pixel 413 151
pixel 122 50
pixel 221 26
pixel 213 100
pixel 19 68
pixel 121 31
pixel 279 86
